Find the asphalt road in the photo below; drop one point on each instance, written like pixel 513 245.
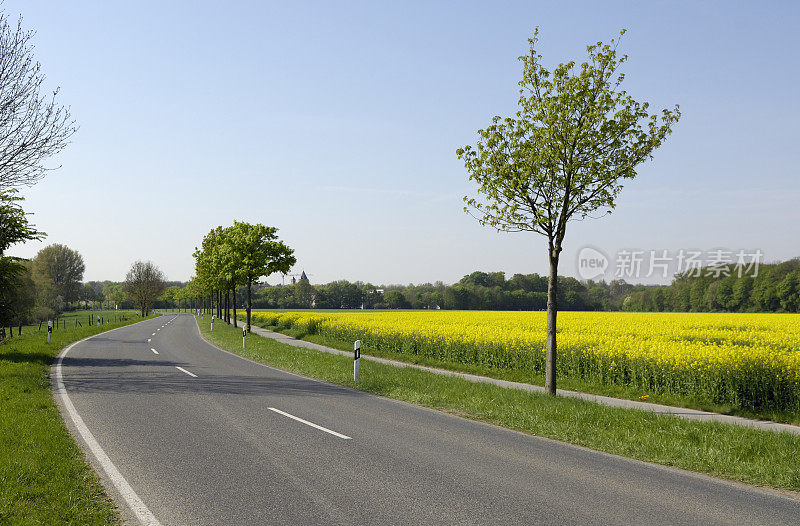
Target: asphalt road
pixel 202 436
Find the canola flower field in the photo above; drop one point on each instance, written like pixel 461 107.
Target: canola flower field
pixel 748 360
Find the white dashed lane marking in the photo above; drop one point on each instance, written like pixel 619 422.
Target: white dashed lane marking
pixel 306 422
pixel 185 371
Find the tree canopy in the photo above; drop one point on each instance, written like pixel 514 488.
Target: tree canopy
pixel 574 140
pixel 239 255
pixel 14 228
pixel 60 268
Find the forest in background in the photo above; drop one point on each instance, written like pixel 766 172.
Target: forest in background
pixel 769 288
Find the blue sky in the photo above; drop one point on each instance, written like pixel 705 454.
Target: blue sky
pixel 338 123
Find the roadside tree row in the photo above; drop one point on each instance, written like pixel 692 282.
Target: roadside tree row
pixel 237 255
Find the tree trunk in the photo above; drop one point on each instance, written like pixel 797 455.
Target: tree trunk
pixel 552 310
pixel 249 301
pixel 227 307
pixel 234 304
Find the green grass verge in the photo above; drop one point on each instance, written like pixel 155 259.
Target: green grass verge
pixel 568 383
pixel 44 478
pixel 723 450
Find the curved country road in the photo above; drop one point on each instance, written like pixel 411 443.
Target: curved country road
pixel 202 436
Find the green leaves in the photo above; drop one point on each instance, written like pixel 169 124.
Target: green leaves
pixel 574 140
pixel 14 226
pixel 240 253
pixel 256 250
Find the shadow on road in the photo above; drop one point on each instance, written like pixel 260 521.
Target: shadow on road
pixel 114 362
pixel 116 340
pixel 167 382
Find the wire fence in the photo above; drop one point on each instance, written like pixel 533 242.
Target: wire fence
pixel 69 321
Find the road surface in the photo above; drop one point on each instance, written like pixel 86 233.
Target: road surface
pixel 183 433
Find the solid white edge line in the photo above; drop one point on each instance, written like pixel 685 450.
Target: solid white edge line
pixel 185 371
pixel 312 424
pixel 154 351
pixel 136 505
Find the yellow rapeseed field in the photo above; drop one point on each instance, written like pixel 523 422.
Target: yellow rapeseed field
pixel 749 360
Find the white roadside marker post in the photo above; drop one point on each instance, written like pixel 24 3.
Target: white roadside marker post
pixel 98 321
pixel 244 337
pixel 212 323
pixel 357 360
pixel 49 331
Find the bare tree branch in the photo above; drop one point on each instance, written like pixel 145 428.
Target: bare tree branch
pixel 33 127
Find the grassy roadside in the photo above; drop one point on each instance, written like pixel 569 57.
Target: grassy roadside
pixel 44 478
pixel 722 450
pixel 568 383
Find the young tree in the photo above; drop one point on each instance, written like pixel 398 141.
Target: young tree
pixel 575 138
pixel 257 253
pixel 208 266
pixel 144 282
pixel 229 265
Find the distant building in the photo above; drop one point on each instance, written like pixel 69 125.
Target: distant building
pixel 302 277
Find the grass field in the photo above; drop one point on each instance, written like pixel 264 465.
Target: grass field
pixel 44 478
pixel 728 451
pixel 745 364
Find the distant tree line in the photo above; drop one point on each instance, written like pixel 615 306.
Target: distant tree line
pixel 772 288
pixel 476 291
